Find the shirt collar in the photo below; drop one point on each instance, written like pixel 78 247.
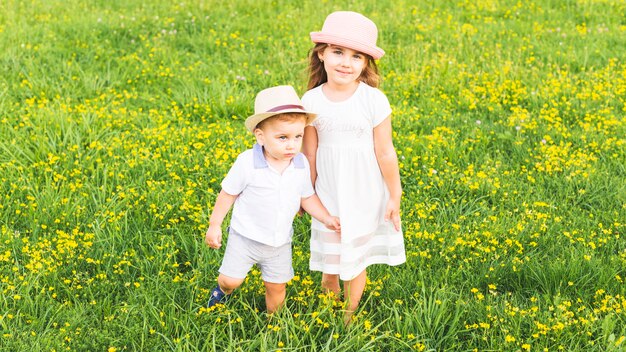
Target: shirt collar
pixel 298 161
pixel 260 162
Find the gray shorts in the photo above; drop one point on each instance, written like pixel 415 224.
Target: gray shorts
pixel 242 253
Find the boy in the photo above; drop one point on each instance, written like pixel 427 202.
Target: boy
pixel 267 185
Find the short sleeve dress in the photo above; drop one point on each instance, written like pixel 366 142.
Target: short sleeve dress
pixel 350 185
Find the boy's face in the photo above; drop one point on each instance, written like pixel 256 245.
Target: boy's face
pixel 281 140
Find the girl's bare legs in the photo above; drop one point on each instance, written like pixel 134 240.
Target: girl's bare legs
pixel 353 290
pixel 274 296
pixel 330 283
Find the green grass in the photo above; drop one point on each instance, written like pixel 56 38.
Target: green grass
pixel 119 120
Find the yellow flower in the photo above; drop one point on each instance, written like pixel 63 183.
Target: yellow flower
pixel 367 324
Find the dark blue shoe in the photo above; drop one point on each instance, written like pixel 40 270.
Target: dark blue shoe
pixel 217 296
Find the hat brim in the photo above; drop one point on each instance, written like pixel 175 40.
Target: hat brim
pixel 254 120
pixel 373 51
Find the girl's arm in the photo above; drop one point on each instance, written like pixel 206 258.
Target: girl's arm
pixel 309 149
pixel 388 163
pixel 223 203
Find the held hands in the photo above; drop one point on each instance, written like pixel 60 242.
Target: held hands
pixel 332 223
pixel 213 237
pixel 392 212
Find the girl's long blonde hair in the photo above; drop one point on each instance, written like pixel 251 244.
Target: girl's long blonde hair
pixel 317 74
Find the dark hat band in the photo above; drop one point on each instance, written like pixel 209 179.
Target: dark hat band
pixel 285 107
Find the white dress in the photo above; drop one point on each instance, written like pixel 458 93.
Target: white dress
pixel 350 185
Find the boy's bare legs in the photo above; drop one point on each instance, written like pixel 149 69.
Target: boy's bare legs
pixel 225 286
pixel 353 290
pixel 274 296
pixel 228 284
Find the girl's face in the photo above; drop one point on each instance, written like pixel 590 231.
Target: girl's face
pixel 343 65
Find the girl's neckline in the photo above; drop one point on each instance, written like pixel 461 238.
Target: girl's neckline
pixel 339 101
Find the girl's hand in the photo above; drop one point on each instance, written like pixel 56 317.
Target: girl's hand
pixel 332 223
pixel 392 212
pixel 213 237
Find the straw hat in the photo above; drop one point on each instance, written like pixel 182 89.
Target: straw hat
pixel 351 30
pixel 276 100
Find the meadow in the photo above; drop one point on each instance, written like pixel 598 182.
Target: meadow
pixel 120 118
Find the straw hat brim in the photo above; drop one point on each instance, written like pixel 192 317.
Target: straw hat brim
pixel 254 120
pixel 373 51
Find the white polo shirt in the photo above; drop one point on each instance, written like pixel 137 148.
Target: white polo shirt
pixel 268 201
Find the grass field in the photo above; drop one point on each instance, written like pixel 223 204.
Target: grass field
pixel 120 118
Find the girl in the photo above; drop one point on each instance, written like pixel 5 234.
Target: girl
pixel 354 166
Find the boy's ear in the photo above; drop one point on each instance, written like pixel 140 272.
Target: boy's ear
pixel 260 138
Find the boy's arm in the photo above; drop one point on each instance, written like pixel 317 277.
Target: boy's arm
pixel 223 203
pixel 313 206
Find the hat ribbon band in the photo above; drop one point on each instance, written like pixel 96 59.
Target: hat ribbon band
pixel 285 107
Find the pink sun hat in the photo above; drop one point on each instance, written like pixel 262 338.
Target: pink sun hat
pixel 351 30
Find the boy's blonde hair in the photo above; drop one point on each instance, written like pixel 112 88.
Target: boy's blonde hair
pixel 317 73
pixel 284 117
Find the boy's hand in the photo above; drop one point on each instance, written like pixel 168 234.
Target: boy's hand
pixel 213 237
pixel 332 223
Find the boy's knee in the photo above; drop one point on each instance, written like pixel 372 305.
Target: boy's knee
pixel 275 289
pixel 228 284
